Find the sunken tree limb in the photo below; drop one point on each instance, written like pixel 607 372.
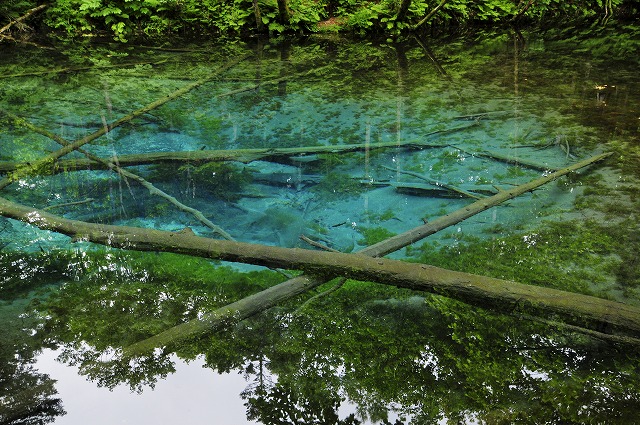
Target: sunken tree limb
pixel 588 312
pixel 111 165
pixel 204 156
pixel 268 298
pixel 46 162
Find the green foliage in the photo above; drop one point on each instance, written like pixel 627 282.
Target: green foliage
pixel 123 19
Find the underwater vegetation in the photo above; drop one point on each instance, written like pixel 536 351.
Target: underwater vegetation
pixel 222 180
pixel 336 185
pixel 373 235
pixel 578 255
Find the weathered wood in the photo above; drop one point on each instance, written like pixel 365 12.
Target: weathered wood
pixel 603 316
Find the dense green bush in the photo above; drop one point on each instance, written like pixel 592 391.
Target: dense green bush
pixel 123 19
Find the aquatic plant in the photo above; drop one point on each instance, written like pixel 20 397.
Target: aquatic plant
pixel 372 235
pixel 335 185
pixel 579 256
pixel 225 181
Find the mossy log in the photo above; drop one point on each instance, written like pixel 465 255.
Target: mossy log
pixel 599 315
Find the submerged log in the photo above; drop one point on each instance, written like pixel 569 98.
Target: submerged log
pixel 140 180
pixel 415 188
pixel 47 161
pixel 592 313
pixel 204 156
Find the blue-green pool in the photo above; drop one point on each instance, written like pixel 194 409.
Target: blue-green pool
pixel 433 126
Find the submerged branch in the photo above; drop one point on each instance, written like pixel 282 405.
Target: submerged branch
pixel 507 159
pixel 22 18
pixel 240 155
pixel 436 183
pixel 431 14
pixel 111 165
pixel 47 161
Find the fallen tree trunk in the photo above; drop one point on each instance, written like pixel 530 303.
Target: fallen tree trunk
pixel 574 309
pixel 496 294
pixel 270 297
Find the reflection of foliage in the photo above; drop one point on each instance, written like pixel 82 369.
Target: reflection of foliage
pixel 117 299
pixel 113 287
pixel 282 406
pixel 26 396
pixel 385 350
pixel 20 273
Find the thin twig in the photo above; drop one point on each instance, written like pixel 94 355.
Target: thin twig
pixel 317 244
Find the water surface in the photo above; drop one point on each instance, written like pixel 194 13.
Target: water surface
pixel 441 124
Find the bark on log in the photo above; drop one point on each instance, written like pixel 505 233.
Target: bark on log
pixel 579 310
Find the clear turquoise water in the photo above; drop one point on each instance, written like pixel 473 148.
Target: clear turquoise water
pixel 369 353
